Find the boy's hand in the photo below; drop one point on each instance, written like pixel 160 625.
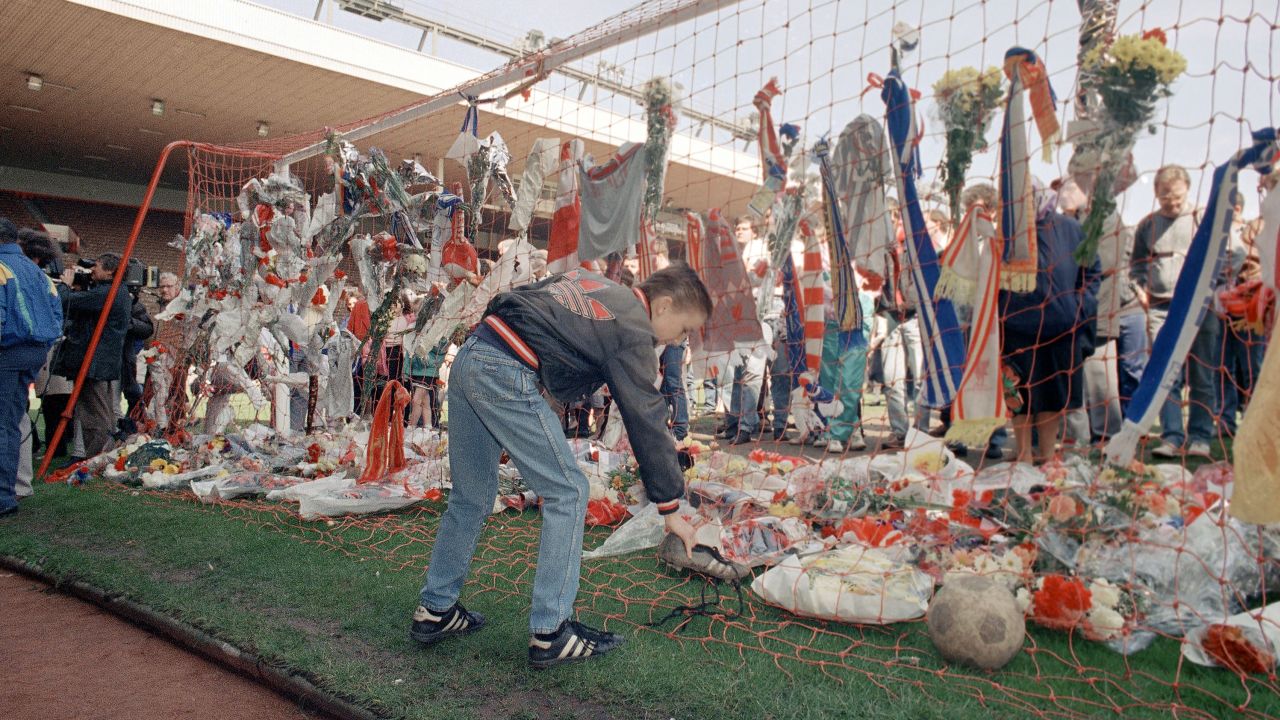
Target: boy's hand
pixel 680 527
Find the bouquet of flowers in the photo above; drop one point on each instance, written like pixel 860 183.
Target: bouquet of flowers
pixel 660 104
pixel 967 102
pixel 1101 610
pixel 1130 76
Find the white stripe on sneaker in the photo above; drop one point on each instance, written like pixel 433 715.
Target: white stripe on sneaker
pixel 569 649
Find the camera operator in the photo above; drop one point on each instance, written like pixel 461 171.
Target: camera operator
pixel 140 329
pixel 94 412
pixel 30 321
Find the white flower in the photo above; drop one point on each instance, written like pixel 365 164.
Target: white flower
pixel 1105 623
pixel 1105 595
pixel 1023 598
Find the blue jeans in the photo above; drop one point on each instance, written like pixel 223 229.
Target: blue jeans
pixel 781 382
pixel 672 364
pixel 19 365
pixel 1201 374
pixel 1132 348
pixel 1242 352
pixel 843 369
pixel 494 404
pixel 747 373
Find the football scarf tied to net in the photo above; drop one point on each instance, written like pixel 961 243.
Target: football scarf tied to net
pixel 1017 204
pixel 979 406
pixel 802 293
pixel 1191 300
pixel 939 329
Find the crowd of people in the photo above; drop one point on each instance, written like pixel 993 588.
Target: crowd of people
pixel 1075 347
pixel 48 313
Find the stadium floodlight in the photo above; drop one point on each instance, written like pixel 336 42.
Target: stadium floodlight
pixel 34 82
pixel 373 9
pixel 157 107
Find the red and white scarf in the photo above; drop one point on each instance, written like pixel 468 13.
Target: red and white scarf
pixel 979 406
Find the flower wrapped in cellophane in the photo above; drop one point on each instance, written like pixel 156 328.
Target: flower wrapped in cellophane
pixel 1130 76
pixel 967 102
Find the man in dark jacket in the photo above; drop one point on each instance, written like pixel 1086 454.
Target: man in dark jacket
pixel 97 417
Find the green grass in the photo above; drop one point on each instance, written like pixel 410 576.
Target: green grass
pixel 334 600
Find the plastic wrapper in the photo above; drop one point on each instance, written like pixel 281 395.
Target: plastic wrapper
pixel 850 584
pixel 644 530
pixel 726 502
pixel 833 488
pixel 319 486
pixel 357 500
pixel 1192 574
pixel 241 484
pixel 1259 628
pixel 166 481
pixel 1021 478
pixel 762 540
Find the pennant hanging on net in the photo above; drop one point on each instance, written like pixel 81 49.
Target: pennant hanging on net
pixel 979 406
pixel 862 167
pixel 844 283
pixel 541 162
pixel 1017 203
pixel 733 319
pixel 1191 299
pixel 940 334
pixel 562 246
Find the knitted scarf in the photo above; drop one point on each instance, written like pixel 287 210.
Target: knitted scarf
pixel 979 407
pixel 1191 297
pixel 1017 208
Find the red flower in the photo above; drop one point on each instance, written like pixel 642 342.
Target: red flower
pixel 1061 603
pixel 218 294
pixel 274 279
pixel 605 512
pixel 433 494
pixel 120 463
pixel 1157 34
pixel 314 451
pixel 339 275
pixel 321 297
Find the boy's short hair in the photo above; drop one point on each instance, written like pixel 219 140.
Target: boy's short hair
pixel 679 282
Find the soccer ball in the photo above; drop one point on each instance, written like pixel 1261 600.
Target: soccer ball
pixel 975 621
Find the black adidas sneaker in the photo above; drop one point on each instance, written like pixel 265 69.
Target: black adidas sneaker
pixel 432 627
pixel 572 642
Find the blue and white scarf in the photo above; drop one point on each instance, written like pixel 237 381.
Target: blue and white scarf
pixel 1191 297
pixel 939 329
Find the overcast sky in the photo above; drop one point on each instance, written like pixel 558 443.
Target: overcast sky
pixel 822 51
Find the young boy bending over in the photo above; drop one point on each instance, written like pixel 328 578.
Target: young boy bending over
pixel 569 333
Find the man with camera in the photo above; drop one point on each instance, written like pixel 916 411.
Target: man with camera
pixel 94 411
pixel 30 321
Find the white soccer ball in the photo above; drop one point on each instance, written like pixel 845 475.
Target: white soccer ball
pixel 975 621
